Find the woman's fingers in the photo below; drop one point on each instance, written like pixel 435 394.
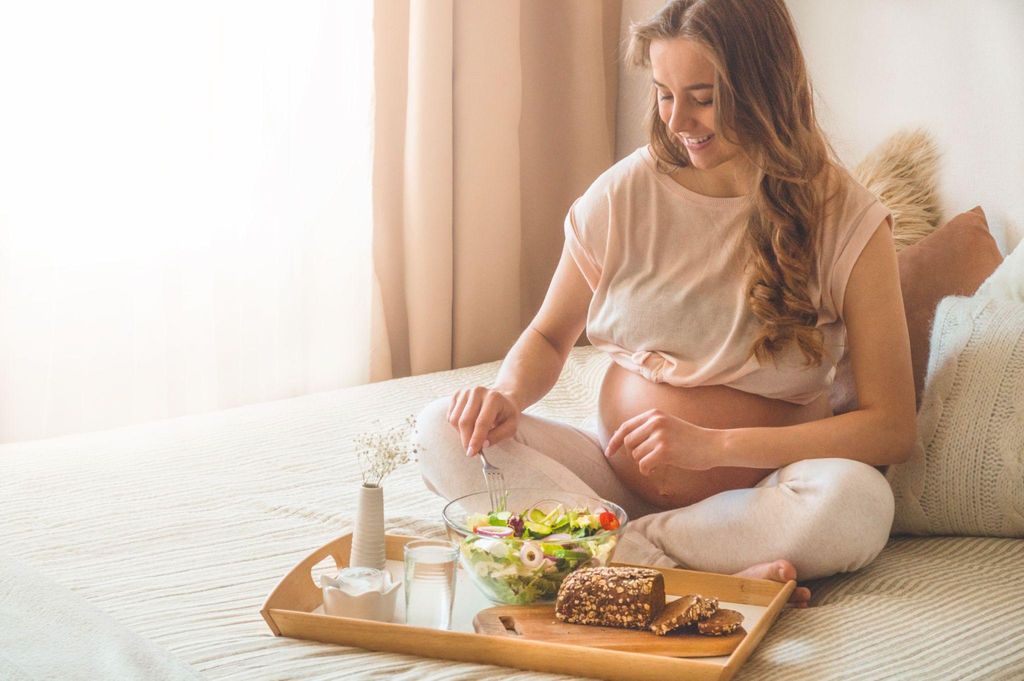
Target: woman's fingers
pixel 468 418
pixel 649 456
pixel 485 420
pixel 619 436
pixel 455 410
pixel 638 436
pixel 623 431
pixel 482 416
pixel 504 429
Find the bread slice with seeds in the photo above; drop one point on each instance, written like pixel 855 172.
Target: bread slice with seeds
pixel 683 612
pixel 722 623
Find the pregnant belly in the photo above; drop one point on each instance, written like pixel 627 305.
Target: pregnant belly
pixel 625 394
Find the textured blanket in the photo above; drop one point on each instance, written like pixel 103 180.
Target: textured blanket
pixel 50 633
pixel 178 530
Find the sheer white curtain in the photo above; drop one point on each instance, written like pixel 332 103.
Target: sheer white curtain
pixel 184 207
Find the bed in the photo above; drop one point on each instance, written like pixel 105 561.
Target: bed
pixel 147 551
pixel 154 547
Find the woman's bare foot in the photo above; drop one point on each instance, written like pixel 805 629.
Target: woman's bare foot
pixel 779 571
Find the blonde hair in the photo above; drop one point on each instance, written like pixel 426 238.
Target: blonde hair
pixel 763 103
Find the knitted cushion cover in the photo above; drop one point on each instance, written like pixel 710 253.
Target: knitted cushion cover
pixel 966 476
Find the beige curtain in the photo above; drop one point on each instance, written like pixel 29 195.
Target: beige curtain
pixel 490 119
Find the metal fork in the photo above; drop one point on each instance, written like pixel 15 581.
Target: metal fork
pixel 495 484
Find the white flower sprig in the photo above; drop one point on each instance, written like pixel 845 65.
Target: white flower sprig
pixel 380 453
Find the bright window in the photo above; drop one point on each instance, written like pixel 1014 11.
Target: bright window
pixel 184 207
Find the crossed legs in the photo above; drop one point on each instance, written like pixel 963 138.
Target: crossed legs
pixel 812 518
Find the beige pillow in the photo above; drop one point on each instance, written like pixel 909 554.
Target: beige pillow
pixel 951 261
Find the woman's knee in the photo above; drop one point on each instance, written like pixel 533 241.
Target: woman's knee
pixel 860 489
pixel 849 522
pixel 432 419
pixel 438 449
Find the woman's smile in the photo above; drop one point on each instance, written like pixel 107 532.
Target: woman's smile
pixel 697 143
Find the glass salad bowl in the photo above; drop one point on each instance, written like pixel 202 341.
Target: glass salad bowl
pixel 521 553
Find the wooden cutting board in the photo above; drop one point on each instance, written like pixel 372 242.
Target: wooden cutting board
pixel 538 623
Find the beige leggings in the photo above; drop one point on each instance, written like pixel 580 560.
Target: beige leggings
pixel 823 515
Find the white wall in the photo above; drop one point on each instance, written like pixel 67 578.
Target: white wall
pixel 953 67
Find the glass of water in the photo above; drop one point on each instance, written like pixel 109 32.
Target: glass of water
pixel 430 566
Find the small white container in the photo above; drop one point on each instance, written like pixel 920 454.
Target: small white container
pixel 360 592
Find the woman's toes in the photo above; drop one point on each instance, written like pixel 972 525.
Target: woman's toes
pixel 801 597
pixel 785 571
pixel 779 571
pixel 776 571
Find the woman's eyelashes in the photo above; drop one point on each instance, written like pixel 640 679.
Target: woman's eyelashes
pixel 698 102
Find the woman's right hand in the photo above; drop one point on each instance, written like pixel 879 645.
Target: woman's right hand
pixel 483 417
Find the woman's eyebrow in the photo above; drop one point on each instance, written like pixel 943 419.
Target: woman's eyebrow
pixel 695 86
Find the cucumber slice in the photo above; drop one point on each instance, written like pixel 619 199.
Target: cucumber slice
pixel 537 528
pixel 536 515
pixel 553 515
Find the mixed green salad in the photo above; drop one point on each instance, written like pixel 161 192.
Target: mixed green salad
pixel 523 557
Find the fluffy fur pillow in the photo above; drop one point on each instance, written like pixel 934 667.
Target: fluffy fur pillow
pixel 966 476
pixel 901 172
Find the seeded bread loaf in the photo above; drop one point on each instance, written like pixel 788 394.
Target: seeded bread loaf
pixel 612 597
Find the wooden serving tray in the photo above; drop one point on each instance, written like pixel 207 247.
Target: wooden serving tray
pixel 290 610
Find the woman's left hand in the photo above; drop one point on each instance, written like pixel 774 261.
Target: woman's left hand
pixel 655 439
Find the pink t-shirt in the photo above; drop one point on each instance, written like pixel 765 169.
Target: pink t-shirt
pixel 668 270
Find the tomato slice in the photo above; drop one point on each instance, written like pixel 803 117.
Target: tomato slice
pixel 609 521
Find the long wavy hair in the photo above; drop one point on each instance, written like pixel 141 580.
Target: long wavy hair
pixel 764 104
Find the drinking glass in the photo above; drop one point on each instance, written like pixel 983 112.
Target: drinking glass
pixel 430 566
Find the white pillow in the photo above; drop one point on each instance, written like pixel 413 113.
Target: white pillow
pixel 966 476
pixel 1007 282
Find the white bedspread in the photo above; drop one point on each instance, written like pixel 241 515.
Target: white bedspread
pixel 178 531
pixel 51 633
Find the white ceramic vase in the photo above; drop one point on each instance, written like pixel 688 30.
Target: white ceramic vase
pixel 368 535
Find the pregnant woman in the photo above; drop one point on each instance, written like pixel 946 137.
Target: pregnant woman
pixel 724 267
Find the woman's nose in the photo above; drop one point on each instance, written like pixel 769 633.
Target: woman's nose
pixel 680 119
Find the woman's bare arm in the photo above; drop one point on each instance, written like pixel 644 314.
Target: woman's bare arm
pixel 534 363
pixel 531 368
pixel 882 431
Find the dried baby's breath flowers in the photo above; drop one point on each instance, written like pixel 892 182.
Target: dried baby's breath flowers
pixel 380 453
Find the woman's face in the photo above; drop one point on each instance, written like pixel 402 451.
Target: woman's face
pixel 684 79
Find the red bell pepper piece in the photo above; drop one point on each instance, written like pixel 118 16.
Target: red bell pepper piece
pixel 609 521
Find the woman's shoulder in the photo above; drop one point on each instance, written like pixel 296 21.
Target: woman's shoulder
pixel 625 172
pixel 845 196
pixel 853 215
pixel 602 201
